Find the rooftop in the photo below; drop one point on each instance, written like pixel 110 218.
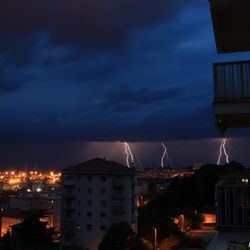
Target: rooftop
pixel 98 165
pixel 237 175
pixel 12 213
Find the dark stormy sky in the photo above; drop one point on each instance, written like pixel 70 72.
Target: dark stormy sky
pixel 92 70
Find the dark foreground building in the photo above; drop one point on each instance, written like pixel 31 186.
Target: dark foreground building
pixel 232 195
pixel 231 23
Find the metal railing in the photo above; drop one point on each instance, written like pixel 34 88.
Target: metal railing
pixel 68 226
pixel 232 81
pixel 118 210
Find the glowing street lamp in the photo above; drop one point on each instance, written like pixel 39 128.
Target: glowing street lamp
pixel 155 238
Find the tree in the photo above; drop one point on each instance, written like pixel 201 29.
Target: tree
pixel 150 217
pixel 121 237
pixel 30 234
pixel 31 231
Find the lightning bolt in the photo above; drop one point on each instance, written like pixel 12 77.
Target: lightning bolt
pixel 223 150
pixel 165 154
pixel 165 157
pixel 129 155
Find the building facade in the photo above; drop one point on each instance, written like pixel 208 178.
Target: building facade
pixel 231 23
pixel 96 194
pixel 233 201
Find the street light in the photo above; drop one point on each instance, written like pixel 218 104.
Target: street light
pixel 155 236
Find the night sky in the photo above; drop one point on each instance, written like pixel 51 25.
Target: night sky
pixel 74 72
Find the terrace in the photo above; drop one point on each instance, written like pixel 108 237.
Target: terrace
pixel 232 94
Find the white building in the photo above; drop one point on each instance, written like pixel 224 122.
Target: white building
pixel 96 194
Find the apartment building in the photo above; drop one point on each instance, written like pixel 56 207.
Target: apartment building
pixel 231 23
pixel 232 199
pixel 96 194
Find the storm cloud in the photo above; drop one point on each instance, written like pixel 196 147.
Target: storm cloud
pixel 105 70
pixel 93 22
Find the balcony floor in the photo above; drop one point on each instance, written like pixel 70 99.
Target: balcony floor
pixel 233 115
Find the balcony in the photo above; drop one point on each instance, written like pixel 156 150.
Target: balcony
pixel 68 195
pixel 231 23
pixel 232 94
pixel 118 202
pixel 118 210
pixel 118 184
pixel 69 205
pixel 69 181
pixel 68 227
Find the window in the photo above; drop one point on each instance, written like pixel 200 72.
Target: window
pixel 89 214
pixel 89 190
pixel 103 178
pixel 79 190
pixel 78 227
pixel 103 227
pixel 89 203
pixel 103 203
pixel 79 201
pixel 79 214
pixel 103 190
pixel 89 178
pixel 89 227
pixel 103 215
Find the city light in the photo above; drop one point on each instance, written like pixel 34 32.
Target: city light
pixel 15 180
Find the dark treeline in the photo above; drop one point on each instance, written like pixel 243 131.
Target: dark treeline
pixel 189 195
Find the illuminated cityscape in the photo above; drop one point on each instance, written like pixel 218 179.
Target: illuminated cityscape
pixel 19 180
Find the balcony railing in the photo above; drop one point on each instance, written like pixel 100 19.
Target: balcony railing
pixel 118 203
pixel 68 195
pixel 69 205
pixel 118 210
pixel 232 82
pixel 68 227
